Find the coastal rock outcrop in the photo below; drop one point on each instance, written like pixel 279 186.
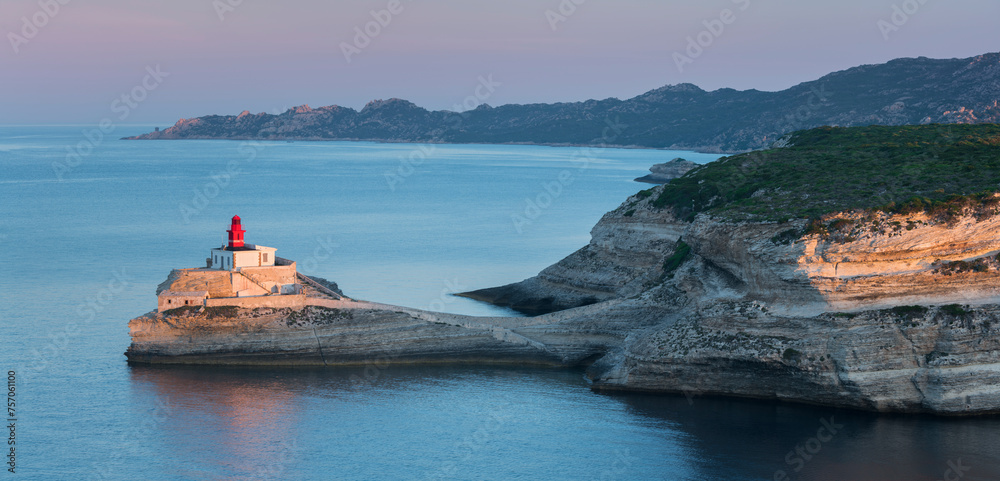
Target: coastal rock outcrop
pixel 667 171
pixel 815 319
pixel 623 258
pixel 941 360
pixel 892 308
pixel 329 332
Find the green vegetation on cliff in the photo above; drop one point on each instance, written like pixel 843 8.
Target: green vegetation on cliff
pixel 681 253
pixel 830 169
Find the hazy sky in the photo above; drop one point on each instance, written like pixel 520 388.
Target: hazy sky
pixel 71 65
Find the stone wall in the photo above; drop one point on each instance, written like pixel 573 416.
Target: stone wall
pixel 276 274
pixel 217 283
pixel 223 283
pixel 171 299
pixel 293 301
pixel 246 287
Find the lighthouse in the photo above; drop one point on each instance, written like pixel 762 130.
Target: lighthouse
pixel 236 233
pixel 236 274
pixel 237 254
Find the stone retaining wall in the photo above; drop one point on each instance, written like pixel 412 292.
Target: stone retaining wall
pixel 293 301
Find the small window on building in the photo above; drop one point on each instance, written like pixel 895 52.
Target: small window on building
pixel 265 257
pixel 185 303
pixel 169 301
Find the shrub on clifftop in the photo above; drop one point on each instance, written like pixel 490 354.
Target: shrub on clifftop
pixel 831 169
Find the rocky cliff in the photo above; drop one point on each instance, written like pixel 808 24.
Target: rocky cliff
pixel 905 320
pixel 903 91
pixel 887 307
pixel 884 306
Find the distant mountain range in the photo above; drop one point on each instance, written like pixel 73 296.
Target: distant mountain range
pixel 900 92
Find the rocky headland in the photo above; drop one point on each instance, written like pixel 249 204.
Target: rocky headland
pixel 848 267
pixel 667 171
pixel 907 91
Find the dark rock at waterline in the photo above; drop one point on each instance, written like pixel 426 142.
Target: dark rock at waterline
pixel 527 301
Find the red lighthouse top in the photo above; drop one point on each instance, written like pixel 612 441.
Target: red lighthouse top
pixel 236 233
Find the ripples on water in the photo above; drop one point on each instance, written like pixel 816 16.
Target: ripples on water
pixel 85 414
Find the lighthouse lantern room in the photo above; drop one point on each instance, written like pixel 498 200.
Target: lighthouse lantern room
pixel 238 254
pixel 236 233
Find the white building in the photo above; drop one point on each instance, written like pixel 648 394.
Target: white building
pixel 237 254
pixel 249 255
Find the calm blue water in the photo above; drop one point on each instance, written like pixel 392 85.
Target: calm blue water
pixel 86 240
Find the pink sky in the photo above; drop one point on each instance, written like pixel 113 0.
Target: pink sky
pixel 269 55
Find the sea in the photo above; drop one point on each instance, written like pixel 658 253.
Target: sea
pixel 90 224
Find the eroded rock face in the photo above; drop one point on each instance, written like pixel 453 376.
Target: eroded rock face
pixel 874 261
pixel 763 310
pixel 351 334
pixel 346 332
pixel 624 257
pixel 932 361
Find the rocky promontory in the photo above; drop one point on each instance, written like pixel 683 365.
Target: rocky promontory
pixel 667 171
pixel 850 267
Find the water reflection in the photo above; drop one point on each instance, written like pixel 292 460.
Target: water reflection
pixel 242 424
pixel 460 422
pixel 754 439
